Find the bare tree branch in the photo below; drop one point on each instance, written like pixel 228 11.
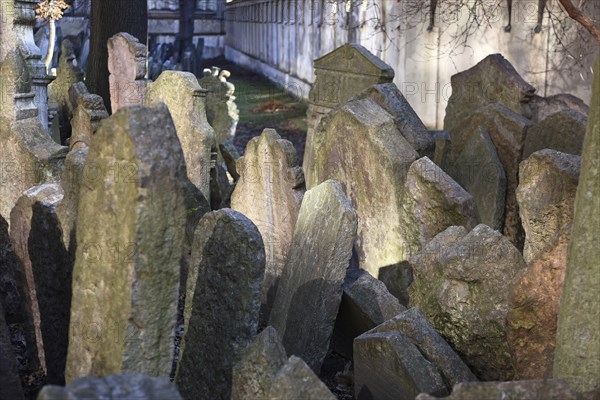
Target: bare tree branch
pixel 580 17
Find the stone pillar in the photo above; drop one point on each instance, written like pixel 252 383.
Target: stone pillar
pixel 24 20
pixel 127 67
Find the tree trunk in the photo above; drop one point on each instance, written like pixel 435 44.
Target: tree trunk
pixel 110 17
pixel 51 41
pixel 186 27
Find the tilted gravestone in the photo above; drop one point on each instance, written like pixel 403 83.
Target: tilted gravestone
pixel 186 101
pixel 36 234
pixel 296 381
pixel 563 131
pixel 492 80
pixel 221 111
pixel 310 288
pixel 222 303
pixel 127 68
pixel 359 145
pixel 269 192
pixel 340 75
pixel 577 357
pixel 130 241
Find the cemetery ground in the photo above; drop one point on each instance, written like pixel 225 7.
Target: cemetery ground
pixel 264 104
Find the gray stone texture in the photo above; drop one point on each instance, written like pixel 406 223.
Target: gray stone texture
pixel 462 283
pixel 492 80
pixel 269 192
pixel 310 289
pixel 185 100
pixel 253 375
pixel 577 356
pixel 479 171
pixel 10 383
pixel 36 235
pixel 222 303
pixel 296 381
pixel 563 131
pixel 397 279
pixel 130 241
pixel 359 145
pixel 221 111
pixel 546 195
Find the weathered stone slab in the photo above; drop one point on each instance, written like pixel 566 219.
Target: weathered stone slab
pixel 29 156
pixel 547 389
pixel 340 75
pixel 434 201
pixel 462 284
pixel 253 375
pixel 534 304
pixel 492 80
pixel 543 107
pixel 10 384
pixel 221 111
pixel 296 381
pixel 546 195
pixel 413 324
pixel 310 289
pixel 113 387
pixel 222 303
pixel 127 68
pixel 58 90
pixel 507 131
pixel 563 131
pixel 577 356
pixel 397 279
pixel 269 192
pixel 73 177
pixel 389 97
pixel 185 99
pixel 360 146
pixel 130 240
pixel 230 156
pixel 479 171
pixel 16 311
pixel 365 304
pixel 36 234
pixel 88 111
pixel 388 366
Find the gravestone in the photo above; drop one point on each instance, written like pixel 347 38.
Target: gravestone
pixel 269 192
pixel 563 131
pixel 29 155
pixel 221 111
pixel 546 195
pixel 492 80
pixel 397 279
pixel 186 101
pixel 253 375
pixel 478 169
pixel 127 68
pixel 543 107
pixel 507 131
pixel 434 201
pixel 75 174
pixel 462 283
pixel 296 381
pixel 577 356
pixel 310 288
pixel 130 240
pixel 36 234
pixel 58 91
pixel 88 111
pixel 340 75
pixel 389 97
pixel 359 145
pixel 222 303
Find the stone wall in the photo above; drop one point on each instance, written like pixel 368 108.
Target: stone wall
pixel 281 38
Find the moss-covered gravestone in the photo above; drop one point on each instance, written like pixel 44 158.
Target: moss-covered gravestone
pixel 130 239
pixel 577 356
pixel 222 303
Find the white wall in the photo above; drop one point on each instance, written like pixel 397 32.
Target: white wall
pixel 281 38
